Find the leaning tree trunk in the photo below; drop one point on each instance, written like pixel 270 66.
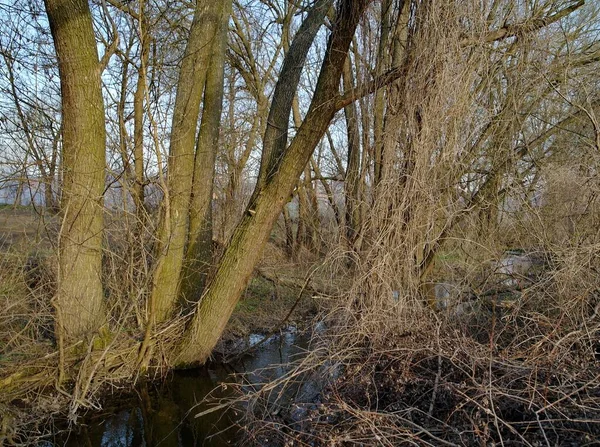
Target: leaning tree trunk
pixel 79 298
pixel 276 133
pixel 251 234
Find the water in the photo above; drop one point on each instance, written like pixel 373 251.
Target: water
pixel 163 414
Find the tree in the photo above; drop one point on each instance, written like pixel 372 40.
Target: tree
pixel 281 173
pixel 395 156
pixel 79 299
pixel 30 117
pixel 173 232
pixel 198 256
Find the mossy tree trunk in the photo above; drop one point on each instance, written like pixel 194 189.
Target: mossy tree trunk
pixel 198 255
pixel 251 234
pixel 79 298
pixel 173 231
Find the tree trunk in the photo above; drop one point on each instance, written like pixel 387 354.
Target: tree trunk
pixel 276 134
pixel 289 232
pixel 330 196
pixel 308 211
pixel 79 299
pixel 138 120
pixel 199 252
pixel 398 41
pixel 252 233
pixel 52 189
pixel 174 224
pixel 379 106
pixel 352 179
pixel 303 229
pixel 49 193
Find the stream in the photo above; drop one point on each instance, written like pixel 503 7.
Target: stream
pixel 164 414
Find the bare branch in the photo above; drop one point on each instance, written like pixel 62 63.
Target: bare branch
pixel 522 28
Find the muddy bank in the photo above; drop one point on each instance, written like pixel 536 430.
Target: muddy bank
pixel 419 389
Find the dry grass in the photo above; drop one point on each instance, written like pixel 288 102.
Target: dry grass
pixel 526 374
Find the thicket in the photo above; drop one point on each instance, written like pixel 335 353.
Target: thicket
pixel 448 222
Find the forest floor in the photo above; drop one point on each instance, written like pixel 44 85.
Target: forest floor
pixel 442 384
pixel 265 307
pixel 525 374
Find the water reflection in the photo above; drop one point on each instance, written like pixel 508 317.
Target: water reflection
pixel 163 415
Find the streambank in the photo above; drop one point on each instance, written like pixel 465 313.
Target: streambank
pixel 29 417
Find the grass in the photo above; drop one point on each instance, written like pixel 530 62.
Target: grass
pixel 26 229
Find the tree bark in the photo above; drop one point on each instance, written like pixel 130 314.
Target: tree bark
pixel 174 223
pixel 308 209
pixel 138 119
pixel 199 252
pixel 79 298
pixel 252 233
pixel 330 196
pixel 379 106
pixel 352 179
pixel 276 134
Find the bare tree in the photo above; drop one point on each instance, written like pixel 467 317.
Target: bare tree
pixel 198 258
pixel 282 172
pixel 174 225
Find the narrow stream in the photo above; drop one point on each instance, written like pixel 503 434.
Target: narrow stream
pixel 164 414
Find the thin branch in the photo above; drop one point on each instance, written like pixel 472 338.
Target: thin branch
pixel 391 75
pixel 112 48
pixel 522 28
pixel 124 8
pixel 360 91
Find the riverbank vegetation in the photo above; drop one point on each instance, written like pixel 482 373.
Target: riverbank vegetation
pixel 421 176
